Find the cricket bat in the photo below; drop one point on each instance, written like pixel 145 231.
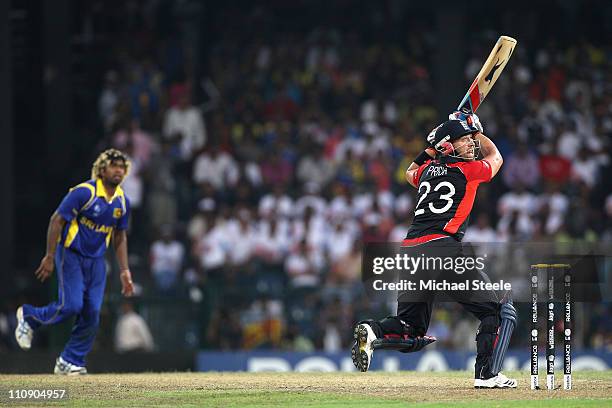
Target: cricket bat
pixel 490 71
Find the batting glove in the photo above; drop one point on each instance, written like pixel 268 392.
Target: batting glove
pixel 471 119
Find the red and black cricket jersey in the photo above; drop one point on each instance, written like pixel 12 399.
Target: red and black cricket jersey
pixel 446 192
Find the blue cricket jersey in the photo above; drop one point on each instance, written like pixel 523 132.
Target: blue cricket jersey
pixel 91 218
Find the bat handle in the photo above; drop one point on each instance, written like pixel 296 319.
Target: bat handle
pixel 466 106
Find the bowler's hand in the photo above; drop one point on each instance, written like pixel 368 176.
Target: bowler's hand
pixel 127 286
pixel 45 269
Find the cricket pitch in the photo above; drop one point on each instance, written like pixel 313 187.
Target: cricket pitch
pixel 407 388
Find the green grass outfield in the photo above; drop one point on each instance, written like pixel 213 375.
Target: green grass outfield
pixel 375 389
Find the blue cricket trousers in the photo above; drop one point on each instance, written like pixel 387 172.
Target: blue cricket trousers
pixel 81 282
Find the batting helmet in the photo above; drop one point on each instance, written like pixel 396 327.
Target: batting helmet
pixel 449 131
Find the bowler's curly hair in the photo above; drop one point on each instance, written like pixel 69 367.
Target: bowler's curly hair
pixel 107 157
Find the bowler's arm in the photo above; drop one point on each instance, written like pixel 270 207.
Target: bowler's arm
pixel 56 225
pixel 120 245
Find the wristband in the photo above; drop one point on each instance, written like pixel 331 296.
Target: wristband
pixel 422 158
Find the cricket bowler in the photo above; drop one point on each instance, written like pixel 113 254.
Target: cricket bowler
pixel 90 216
pixel 447 175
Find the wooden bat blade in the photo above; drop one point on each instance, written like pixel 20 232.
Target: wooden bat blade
pixel 490 71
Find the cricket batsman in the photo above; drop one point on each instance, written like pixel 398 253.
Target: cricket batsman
pixel 91 216
pixel 447 175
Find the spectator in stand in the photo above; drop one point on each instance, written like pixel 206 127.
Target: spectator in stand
pixel 133 186
pixel 333 320
pixel 372 231
pixel 142 143
pixel 481 231
pixel 311 202
pixel 108 101
pixel 555 207
pixel 338 241
pixel 197 224
pixel 217 168
pixel 184 125
pixel 555 168
pixel 144 92
pixel 272 239
pixel 251 173
pixel 342 203
pixel 312 228
pixel 347 269
pixel 132 333
pixel 277 202
pixel 162 198
pixel 313 167
pixel 569 140
pixel 521 167
pixel 352 170
pixel 516 208
pixel 300 267
pixel 385 201
pixel 224 331
pixel 585 170
pixel 534 130
pixel 353 145
pixel 270 248
pixel 241 237
pixel 210 249
pixel 167 256
pixel 377 222
pixel 379 170
pixel 262 324
pixel 276 171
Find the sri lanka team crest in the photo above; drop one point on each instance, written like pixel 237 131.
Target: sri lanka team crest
pixel 117 213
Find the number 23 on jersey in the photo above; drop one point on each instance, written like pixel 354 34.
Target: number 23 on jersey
pixel 445 191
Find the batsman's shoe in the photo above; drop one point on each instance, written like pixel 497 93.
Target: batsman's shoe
pixel 23 332
pixel 362 347
pixel 62 367
pixel 498 381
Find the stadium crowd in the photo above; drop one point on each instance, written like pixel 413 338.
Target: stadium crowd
pixel 259 194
